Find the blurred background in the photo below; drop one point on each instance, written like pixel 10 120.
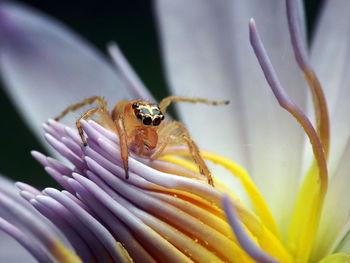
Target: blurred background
pixel 129 23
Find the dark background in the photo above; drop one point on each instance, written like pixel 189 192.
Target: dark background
pixel 131 25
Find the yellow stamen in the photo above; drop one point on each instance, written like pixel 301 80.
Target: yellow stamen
pixel 63 254
pixel 262 234
pixel 308 208
pixel 306 215
pixel 124 252
pixel 257 200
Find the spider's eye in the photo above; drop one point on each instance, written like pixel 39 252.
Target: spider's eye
pixel 156 121
pixel 147 121
pixel 135 105
pixel 139 116
pixel 162 117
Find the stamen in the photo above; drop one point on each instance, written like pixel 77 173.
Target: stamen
pixel 102 235
pixel 257 200
pixel 244 239
pixel 63 254
pixel 74 239
pixel 309 203
pixel 260 230
pixel 318 98
pixel 287 103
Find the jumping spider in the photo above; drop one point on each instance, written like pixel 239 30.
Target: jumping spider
pixel 140 123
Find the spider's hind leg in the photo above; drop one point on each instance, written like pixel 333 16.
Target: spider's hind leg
pixel 175 133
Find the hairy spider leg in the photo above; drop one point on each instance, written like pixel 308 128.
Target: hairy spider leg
pixel 100 101
pixel 163 105
pixel 175 133
pixel 123 142
pixel 87 114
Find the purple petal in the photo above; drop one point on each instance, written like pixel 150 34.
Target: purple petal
pixel 46 67
pixel 244 239
pixel 134 84
pixel 12 251
pixel 28 243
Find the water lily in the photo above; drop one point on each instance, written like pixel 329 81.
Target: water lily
pixel 277 208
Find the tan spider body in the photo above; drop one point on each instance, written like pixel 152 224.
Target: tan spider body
pixel 140 124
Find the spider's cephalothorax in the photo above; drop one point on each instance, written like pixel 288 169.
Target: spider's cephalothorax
pixel 149 114
pixel 153 134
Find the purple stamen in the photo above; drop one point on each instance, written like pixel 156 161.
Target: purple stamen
pixel 300 52
pixel 65 151
pixel 73 237
pixel 318 98
pixel 99 231
pixel 117 228
pixel 286 103
pixel 59 178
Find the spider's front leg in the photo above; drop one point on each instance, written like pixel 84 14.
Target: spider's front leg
pixel 100 101
pixel 174 133
pixel 103 109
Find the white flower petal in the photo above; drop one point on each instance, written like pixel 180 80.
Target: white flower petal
pixel 336 208
pixel 46 67
pixel 207 52
pixel 330 59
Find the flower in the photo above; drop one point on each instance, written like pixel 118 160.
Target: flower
pixel 165 211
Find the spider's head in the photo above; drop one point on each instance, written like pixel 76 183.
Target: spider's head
pixel 149 114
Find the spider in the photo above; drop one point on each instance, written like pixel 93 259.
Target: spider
pixel 140 124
